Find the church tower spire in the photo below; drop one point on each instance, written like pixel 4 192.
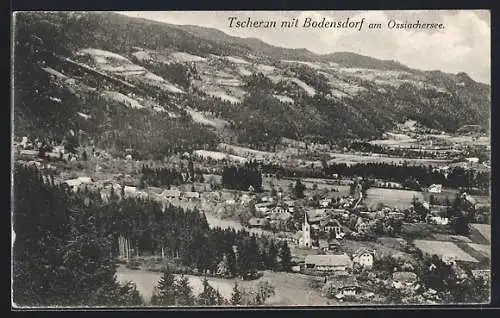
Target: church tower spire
pixel 306 232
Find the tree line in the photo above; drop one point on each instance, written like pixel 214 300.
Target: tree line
pixel 241 178
pixel 414 177
pixel 60 254
pixel 166 177
pixel 177 291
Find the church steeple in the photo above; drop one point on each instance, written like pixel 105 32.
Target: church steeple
pixel 306 232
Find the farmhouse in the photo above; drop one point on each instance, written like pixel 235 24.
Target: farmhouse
pixel 345 286
pixel 435 188
pixel 364 258
pixel 483 273
pixel 325 203
pixel 350 290
pixel 29 153
pixel 437 217
pixel 75 183
pixel 191 195
pixel 472 160
pixel 278 210
pixel 264 207
pixel 171 194
pixel 316 216
pixel 245 199
pixel 267 199
pixel 333 227
pixel 328 263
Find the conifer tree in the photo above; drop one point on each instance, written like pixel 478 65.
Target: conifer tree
pixel 183 292
pixel 285 257
pixel 208 297
pixel 165 295
pixel 219 299
pixel 236 295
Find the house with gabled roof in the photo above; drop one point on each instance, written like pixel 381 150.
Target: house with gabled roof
pixel 364 257
pixel 328 263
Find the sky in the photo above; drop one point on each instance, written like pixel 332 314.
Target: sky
pixel 462 46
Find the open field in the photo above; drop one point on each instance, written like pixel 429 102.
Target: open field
pixel 411 231
pixel 216 155
pixel 391 197
pixel 291 289
pixel 202 119
pixel 483 230
pixel 441 248
pixel 354 159
pixel 484 249
pixel 451 194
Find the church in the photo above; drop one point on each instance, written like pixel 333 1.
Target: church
pixel 305 240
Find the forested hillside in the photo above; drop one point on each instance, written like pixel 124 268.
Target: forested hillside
pixel 261 91
pixel 66 243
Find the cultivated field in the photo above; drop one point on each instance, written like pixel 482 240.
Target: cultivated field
pixel 411 231
pixel 441 248
pixel 354 159
pixel 484 230
pixel 216 155
pixel 482 248
pixel 393 198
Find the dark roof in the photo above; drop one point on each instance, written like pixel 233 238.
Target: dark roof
pixel 343 281
pixel 362 251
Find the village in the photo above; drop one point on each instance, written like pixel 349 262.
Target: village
pixel 335 233
pixel 164 164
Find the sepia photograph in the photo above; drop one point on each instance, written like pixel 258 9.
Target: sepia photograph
pixel 198 159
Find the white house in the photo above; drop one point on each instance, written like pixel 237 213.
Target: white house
pixel 325 203
pixel 171 194
pixel 364 258
pixel 130 191
pixel 191 195
pixel 435 188
pixel 263 207
pixel 472 160
pixel 439 220
pixel 75 183
pixel 245 198
pixel 267 199
pixel 278 210
pixel 449 259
